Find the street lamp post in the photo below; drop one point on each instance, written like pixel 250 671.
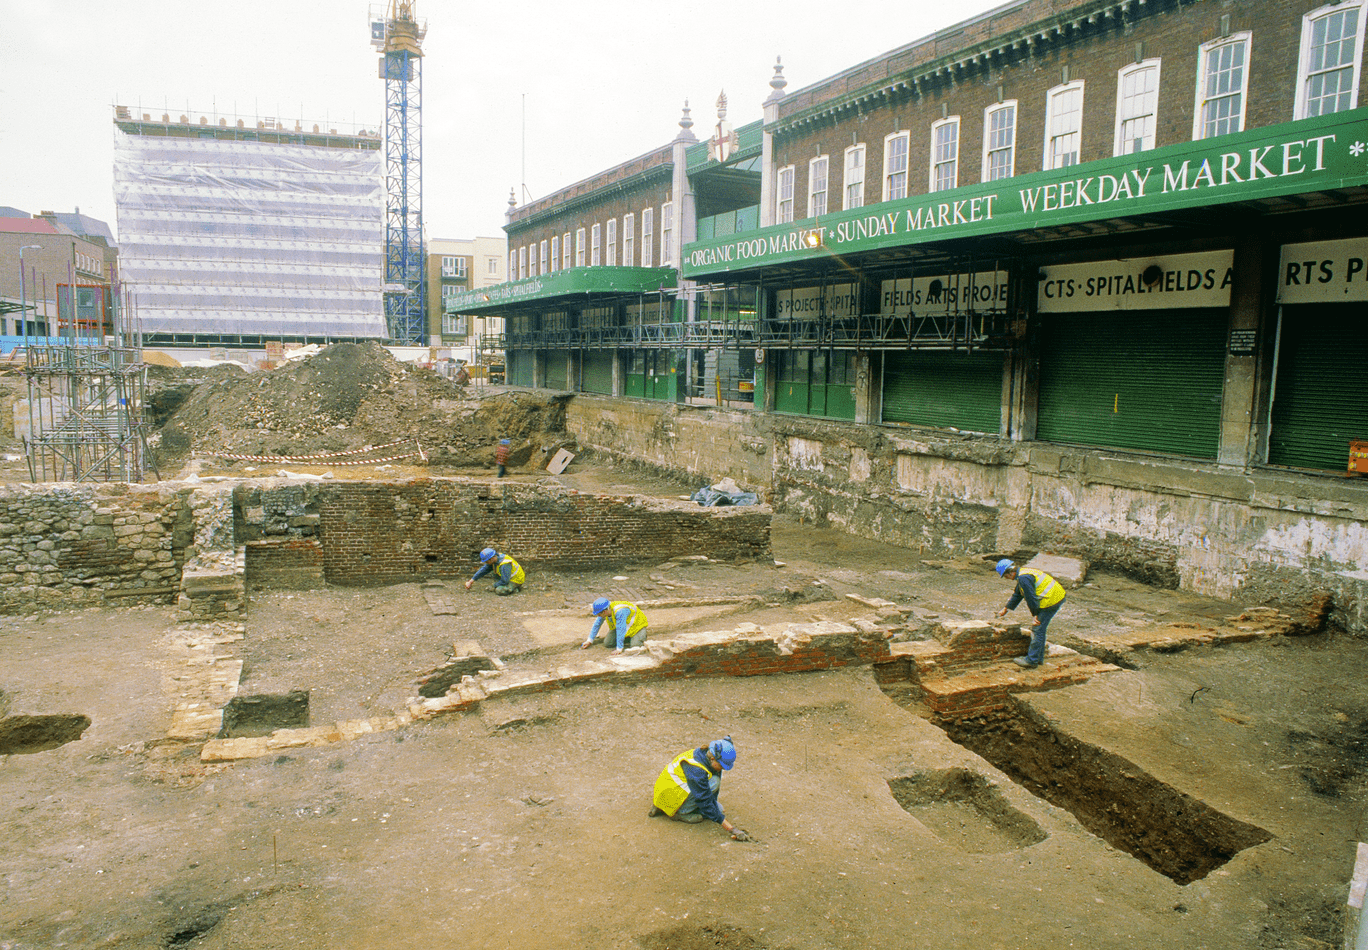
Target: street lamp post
pixel 23 306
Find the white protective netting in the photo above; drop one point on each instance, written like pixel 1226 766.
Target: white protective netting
pixel 233 237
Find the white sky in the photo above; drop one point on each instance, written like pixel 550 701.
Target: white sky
pixel 594 84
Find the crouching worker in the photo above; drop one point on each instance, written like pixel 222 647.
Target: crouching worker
pixel 1043 595
pixel 687 788
pixel 508 573
pixel 627 618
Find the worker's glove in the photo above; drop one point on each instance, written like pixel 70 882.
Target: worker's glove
pixel 739 834
pixel 586 644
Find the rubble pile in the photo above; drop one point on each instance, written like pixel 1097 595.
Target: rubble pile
pixel 349 396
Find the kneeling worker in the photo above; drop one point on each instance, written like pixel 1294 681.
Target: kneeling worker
pixel 509 576
pixel 629 619
pixel 1043 595
pixel 687 788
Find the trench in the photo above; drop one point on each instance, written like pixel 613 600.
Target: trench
pixel 21 735
pixel 247 716
pixel 1169 831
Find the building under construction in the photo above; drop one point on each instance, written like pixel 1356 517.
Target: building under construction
pixel 235 231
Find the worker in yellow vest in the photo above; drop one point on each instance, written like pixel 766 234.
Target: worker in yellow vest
pixel 1043 595
pixel 627 617
pixel 508 573
pixel 687 788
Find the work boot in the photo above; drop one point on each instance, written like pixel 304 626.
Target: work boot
pixel 654 812
pixel 1024 663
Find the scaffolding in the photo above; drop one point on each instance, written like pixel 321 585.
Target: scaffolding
pixel 85 413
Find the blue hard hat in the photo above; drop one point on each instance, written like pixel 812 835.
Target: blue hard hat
pixel 599 606
pixel 723 751
pixel 1004 566
pixel 505 441
pixel 488 554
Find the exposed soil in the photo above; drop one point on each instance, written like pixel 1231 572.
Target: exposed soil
pixel 523 824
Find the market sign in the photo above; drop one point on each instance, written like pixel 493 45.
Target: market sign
pixel 1324 272
pixel 1318 154
pixel 944 294
pixel 1172 282
pixel 575 282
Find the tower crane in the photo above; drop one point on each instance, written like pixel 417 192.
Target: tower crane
pixel 398 34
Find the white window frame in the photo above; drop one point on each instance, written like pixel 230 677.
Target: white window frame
pixel 952 163
pixel 492 266
pixel 1010 148
pixel 1304 59
pixel 579 247
pixel 1052 98
pixel 783 195
pixel 891 190
pixel 647 237
pixel 848 182
pixel 565 251
pixel 667 233
pixel 534 262
pixel 548 263
pixel 817 196
pixel 628 238
pixel 1198 125
pixel 596 245
pixel 1149 140
pixel 610 243
pixel 555 253
pixel 522 262
pixel 448 266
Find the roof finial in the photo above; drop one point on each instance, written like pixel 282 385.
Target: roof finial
pixel 777 81
pixel 722 104
pixel 686 126
pixel 512 197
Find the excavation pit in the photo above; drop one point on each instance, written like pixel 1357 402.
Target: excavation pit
pixel 21 735
pixel 964 809
pixel 1169 831
pixel 247 716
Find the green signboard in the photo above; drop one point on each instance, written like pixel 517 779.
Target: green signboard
pixel 575 282
pixel 1317 154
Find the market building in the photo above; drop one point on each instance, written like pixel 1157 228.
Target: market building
pixel 1085 277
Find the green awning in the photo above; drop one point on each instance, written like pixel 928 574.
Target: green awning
pixel 1311 155
pixel 557 287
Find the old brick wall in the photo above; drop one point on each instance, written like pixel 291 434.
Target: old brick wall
pixel 381 533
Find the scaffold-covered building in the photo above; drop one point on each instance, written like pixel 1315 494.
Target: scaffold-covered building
pixel 238 231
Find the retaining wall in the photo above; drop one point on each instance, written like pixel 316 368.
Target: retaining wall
pixel 1262 536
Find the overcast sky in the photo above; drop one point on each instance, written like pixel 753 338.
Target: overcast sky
pixel 560 88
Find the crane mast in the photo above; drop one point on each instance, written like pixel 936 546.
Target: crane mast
pixel 398 35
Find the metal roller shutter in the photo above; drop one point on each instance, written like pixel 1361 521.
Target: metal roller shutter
pixel 520 368
pixel 1148 380
pixel 556 369
pixel 945 390
pixel 1320 403
pixel 598 372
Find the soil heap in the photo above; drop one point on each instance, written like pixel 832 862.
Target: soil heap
pixel 350 396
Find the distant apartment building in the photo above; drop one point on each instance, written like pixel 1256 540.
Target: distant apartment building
pixel 455 266
pixel 66 259
pixel 237 231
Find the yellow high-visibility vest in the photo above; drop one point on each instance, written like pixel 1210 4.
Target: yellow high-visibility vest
pixel 1048 591
pixel 672 786
pixel 517 576
pixel 635 623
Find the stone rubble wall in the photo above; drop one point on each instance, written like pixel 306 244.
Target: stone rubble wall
pixel 77 545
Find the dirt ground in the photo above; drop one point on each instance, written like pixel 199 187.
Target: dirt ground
pixel 523 824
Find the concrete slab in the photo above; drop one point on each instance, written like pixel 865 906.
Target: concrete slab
pixel 1069 571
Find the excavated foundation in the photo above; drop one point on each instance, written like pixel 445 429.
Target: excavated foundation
pixel 24 734
pixel 1175 834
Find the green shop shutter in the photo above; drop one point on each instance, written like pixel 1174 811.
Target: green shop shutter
pixel 555 369
pixel 1320 400
pixel 597 368
pixel 944 390
pixel 520 368
pixel 1147 380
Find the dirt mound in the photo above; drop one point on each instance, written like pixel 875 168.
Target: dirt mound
pixel 349 396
